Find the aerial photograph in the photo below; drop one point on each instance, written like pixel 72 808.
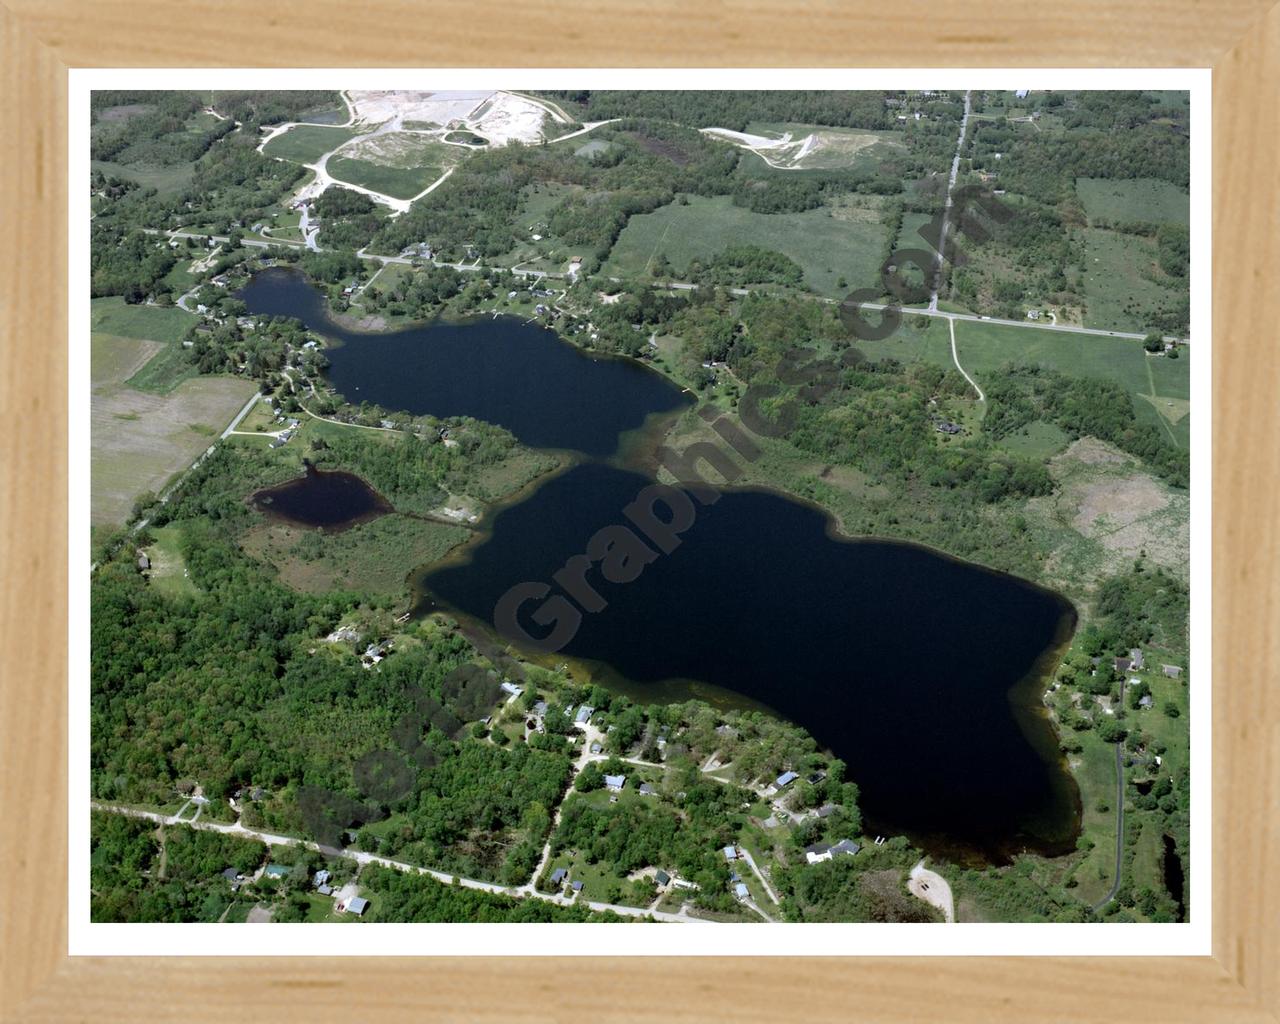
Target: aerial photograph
pixel 707 506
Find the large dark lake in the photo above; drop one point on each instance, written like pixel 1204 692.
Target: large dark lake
pixel 898 659
pixel 520 376
pixel 922 672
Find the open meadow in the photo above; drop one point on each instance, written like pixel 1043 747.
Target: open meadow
pixel 306 143
pixel 1138 199
pixel 1161 387
pixel 827 247
pixel 140 440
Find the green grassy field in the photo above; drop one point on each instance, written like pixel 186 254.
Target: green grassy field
pixel 139 440
pixel 164 371
pixel 1120 292
pixel 825 247
pixel 1038 440
pixel 1137 199
pixel 112 315
pixel 398 182
pixel 306 143
pixel 1161 386
pixel 168 567
pixel 373 557
pixel 167 181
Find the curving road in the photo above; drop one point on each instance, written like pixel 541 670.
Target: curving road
pixel 956 357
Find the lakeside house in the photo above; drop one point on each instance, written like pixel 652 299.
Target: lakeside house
pixel 822 851
pixel 584 715
pixel 817 852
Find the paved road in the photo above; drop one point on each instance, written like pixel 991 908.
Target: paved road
pixel 271 839
pixel 1034 325
pixel 946 209
pixel 240 415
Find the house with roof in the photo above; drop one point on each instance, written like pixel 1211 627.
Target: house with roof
pixel 730 853
pixel 1172 671
pixel 576 887
pixel 320 878
pixel 1146 702
pixel 1121 664
pixel 584 715
pixel 817 852
pixel 662 878
pixel 785 779
pixel 559 875
pixel 647 790
pixel 846 846
pixel 741 892
pixel 826 810
pixel 510 689
pixel 324 890
pixel 614 783
pixel 596 748
pixel 144 563
pixel 356 905
pixel 1135 660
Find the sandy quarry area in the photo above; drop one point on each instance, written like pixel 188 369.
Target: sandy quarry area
pixel 499 117
pixel 374 106
pixel 820 149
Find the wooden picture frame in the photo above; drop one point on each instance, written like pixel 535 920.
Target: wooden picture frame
pixel 41 39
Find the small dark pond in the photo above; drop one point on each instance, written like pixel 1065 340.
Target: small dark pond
pixel 332 501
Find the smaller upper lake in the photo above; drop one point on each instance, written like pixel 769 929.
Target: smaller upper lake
pixel 517 375
pixel 331 501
